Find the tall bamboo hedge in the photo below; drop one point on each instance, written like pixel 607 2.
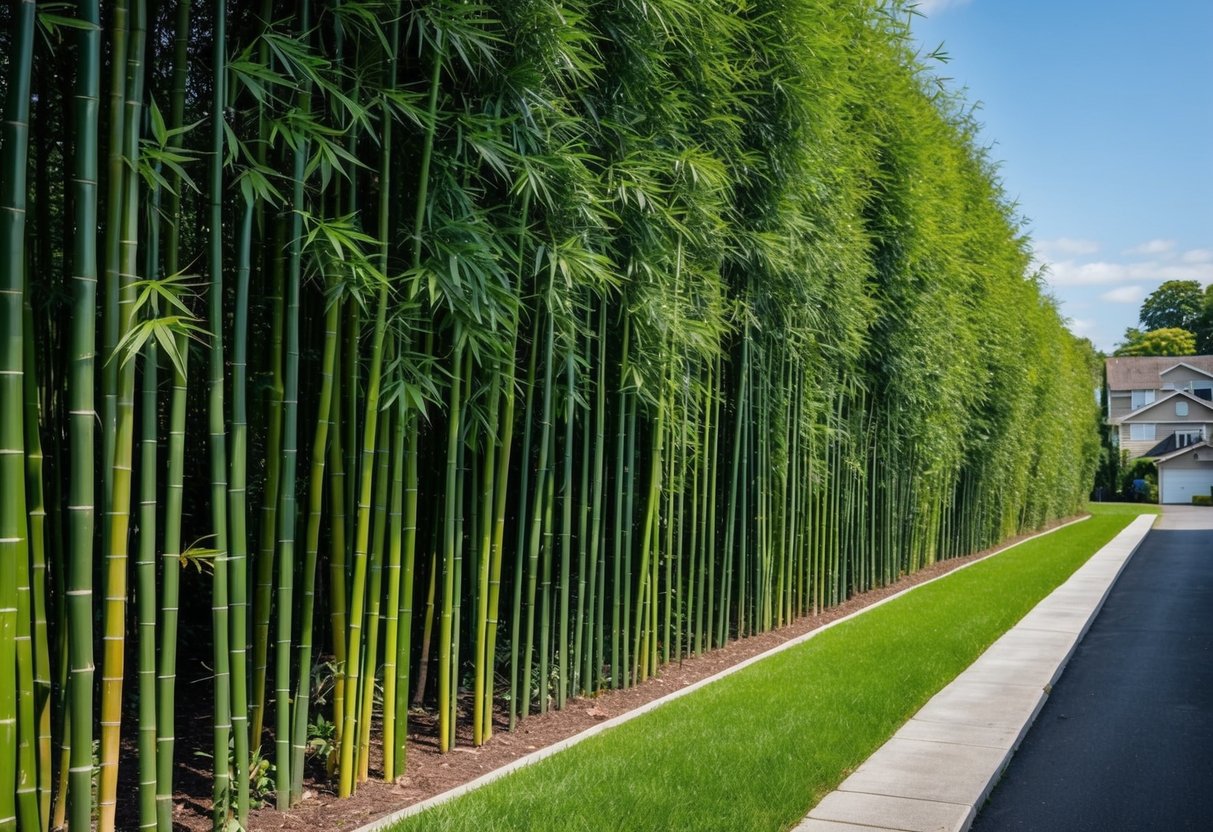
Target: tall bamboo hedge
pixel 361 354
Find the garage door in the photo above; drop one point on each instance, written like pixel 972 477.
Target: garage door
pixel 1178 486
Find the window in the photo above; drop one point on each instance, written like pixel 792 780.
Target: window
pixel 1181 408
pixel 1142 433
pixel 1141 398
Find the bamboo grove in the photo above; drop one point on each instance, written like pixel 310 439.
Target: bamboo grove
pixel 361 356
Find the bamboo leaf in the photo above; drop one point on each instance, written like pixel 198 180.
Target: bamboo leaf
pixel 159 130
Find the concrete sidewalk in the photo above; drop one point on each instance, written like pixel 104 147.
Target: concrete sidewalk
pixel 940 765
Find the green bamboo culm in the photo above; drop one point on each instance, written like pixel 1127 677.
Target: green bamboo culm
pixel 125 213
pixel 81 510
pixel 392 640
pixel 18 772
pixel 33 659
pixel 238 537
pixel 268 526
pixel 33 648
pixel 312 548
pixel 174 499
pixel 145 570
pixel 286 519
pixel 220 615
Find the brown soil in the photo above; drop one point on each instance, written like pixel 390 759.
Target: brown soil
pixel 431 773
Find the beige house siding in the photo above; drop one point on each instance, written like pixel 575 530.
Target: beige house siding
pixel 1162 412
pixel 1119 405
pixel 1135 447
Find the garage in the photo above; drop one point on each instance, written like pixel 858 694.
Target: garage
pixel 1185 473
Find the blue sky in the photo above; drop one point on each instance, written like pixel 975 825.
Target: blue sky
pixel 1101 115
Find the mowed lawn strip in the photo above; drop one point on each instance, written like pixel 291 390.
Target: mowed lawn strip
pixel 757 750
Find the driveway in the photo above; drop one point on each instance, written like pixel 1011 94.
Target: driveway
pixel 1125 741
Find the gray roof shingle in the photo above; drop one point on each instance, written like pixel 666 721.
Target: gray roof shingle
pixel 1142 372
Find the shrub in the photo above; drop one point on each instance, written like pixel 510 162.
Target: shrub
pixel 1140 470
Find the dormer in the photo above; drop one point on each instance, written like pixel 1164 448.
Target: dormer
pixel 1184 366
pixel 1184 376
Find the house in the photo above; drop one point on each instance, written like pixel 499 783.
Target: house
pixel 1162 407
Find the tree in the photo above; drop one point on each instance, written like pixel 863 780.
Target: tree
pixel 1166 341
pixel 1174 304
pixel 1203 326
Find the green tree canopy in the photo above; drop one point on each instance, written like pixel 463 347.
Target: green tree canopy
pixel 1174 304
pixel 1165 341
pixel 1203 327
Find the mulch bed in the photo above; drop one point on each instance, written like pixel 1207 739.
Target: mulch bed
pixel 430 773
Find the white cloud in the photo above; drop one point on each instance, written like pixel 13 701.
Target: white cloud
pixel 1065 247
pixel 1082 327
pixel 1125 294
pixel 1152 248
pixel 1072 273
pixel 1197 255
pixel 932 6
pixel 1105 273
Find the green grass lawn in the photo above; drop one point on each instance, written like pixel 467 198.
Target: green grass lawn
pixel 1129 509
pixel 757 750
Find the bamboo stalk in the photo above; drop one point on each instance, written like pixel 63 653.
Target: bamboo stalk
pixel 447 675
pixel 18 779
pixel 536 523
pixel 238 538
pixel 393 689
pixel 286 513
pixel 145 568
pixel 521 546
pixel 33 661
pixel 119 513
pixel 597 560
pixel 174 487
pixel 222 727
pixel 82 414
pixel 482 700
pixel 566 529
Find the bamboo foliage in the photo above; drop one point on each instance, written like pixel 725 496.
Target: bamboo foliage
pixel 547 343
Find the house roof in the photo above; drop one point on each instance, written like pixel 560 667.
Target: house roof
pixel 1182 452
pixel 1170 445
pixel 1142 372
pixel 1128 417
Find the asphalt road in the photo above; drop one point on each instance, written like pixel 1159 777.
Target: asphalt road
pixel 1125 741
